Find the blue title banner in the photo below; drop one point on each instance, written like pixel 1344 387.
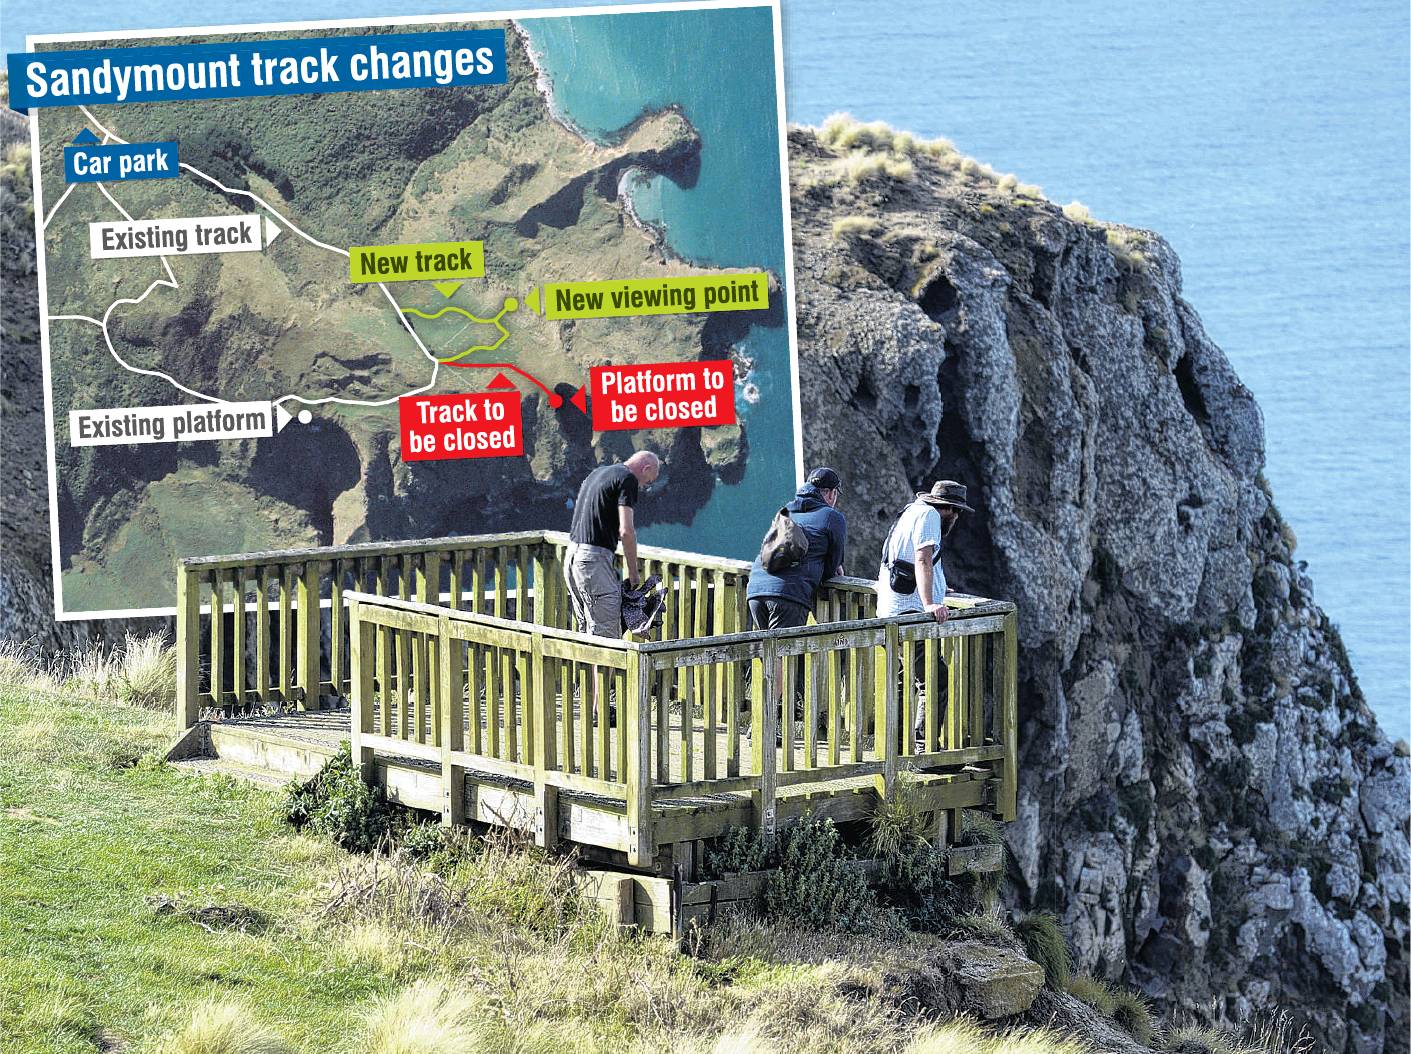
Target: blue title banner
pixel 248 68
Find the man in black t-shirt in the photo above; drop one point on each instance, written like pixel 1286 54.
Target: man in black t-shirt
pixel 603 515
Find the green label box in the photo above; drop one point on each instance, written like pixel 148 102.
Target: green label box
pixel 684 295
pixel 414 262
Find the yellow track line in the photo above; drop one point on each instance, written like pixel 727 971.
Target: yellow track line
pixel 504 333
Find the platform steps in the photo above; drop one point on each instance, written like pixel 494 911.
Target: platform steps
pixel 258 756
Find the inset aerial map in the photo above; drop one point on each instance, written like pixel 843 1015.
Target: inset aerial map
pixel 629 147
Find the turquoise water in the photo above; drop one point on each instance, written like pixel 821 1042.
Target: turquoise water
pixel 605 72
pixel 1268 143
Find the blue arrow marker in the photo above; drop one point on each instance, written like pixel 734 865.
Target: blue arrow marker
pixel 85 136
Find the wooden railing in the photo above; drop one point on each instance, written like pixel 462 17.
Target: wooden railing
pixel 261 630
pixel 269 629
pixel 459 653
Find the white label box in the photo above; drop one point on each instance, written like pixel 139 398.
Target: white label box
pixel 186 236
pixel 121 425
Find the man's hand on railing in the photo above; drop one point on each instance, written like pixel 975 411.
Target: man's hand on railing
pixel 939 612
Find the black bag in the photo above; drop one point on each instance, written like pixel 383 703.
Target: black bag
pixel 785 544
pixel 901 574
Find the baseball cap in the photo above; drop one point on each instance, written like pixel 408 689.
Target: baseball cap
pixel 825 479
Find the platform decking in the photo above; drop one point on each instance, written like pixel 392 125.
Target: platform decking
pixel 469 695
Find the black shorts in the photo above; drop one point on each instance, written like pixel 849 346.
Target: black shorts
pixel 776 613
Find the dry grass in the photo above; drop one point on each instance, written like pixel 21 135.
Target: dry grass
pixel 855 226
pixel 141 671
pixel 1078 212
pixel 429 1017
pixel 223 1028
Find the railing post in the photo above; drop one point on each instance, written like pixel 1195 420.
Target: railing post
pixel 638 717
pixel 360 652
pixel 763 730
pixel 546 812
pixel 188 646
pixel 890 700
pixel 1009 720
pixel 308 634
pixel 452 725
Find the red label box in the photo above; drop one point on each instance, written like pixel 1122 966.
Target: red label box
pixel 473 424
pixel 663 395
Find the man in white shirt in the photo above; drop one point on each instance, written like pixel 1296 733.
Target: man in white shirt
pixel 916 539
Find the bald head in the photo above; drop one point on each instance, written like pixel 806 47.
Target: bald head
pixel 644 465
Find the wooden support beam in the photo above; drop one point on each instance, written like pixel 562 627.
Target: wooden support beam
pixel 764 729
pixel 188 647
pixel 309 677
pixel 1009 721
pixel 888 726
pixel 449 651
pixel 638 717
pixel 539 699
pixel 360 723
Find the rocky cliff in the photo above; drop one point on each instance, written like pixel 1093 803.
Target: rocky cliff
pixel 1207 801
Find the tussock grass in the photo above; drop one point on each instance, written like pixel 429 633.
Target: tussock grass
pixel 429 1017
pixel 141 671
pixel 1078 212
pixel 1097 994
pixel 1132 1013
pixel 224 1028
pixel 1044 943
pixel 874 150
pixel 1127 247
pixel 964 1037
pixel 855 226
pixel 988 925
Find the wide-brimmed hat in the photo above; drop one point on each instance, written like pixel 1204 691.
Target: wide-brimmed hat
pixel 946 493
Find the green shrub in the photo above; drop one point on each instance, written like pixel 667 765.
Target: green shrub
pixel 336 802
pixel 740 849
pixel 816 880
pixel 1131 1012
pixel 1045 944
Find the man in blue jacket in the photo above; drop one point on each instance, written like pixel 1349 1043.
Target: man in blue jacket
pixel 779 601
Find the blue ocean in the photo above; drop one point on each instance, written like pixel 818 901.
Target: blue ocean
pixel 1267 143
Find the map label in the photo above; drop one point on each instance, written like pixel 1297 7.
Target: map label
pixel 407 263
pixel 189 236
pixel 682 295
pixel 663 395
pixel 472 424
pixel 120 162
pixel 122 425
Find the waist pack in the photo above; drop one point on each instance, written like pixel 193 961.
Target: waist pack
pixel 785 544
pixel 901 574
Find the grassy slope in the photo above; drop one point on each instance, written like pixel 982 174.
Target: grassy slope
pixel 83 843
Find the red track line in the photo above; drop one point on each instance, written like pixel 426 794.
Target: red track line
pixel 554 399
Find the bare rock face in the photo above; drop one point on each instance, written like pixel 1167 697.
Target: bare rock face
pixel 1206 800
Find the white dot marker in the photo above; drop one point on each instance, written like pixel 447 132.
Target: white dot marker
pixel 305 417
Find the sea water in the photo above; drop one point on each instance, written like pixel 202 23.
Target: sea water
pixel 718 67
pixel 1267 143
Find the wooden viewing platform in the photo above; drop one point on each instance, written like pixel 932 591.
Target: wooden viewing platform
pixel 470 694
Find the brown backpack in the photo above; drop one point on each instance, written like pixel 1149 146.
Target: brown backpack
pixel 785 544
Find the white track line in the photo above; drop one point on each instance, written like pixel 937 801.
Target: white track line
pixel 406 323
pixel 62 198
